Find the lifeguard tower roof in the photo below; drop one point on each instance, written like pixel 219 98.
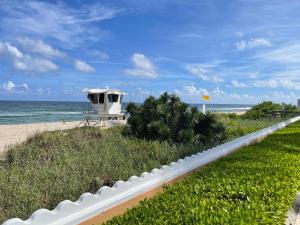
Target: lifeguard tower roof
pixel 108 91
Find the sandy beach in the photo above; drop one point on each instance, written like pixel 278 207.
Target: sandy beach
pixel 12 134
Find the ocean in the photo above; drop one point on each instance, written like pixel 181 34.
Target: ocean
pixel 22 112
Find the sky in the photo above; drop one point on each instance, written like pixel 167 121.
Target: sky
pixel 236 51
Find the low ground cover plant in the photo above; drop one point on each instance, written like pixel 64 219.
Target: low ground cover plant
pixel 256 185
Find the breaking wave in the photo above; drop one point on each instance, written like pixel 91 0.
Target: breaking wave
pixel 39 113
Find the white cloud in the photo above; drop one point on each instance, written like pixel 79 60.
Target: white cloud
pixel 34 64
pixel 139 94
pixel 7 48
pixel 217 79
pixel 143 67
pixel 193 91
pixel 38 46
pixel 24 62
pixel 239 34
pixel 253 75
pixel 277 83
pixel 289 54
pixel 253 43
pixel 248 96
pixel 43 91
pixel 198 70
pixel 83 66
pixel 222 96
pixel 235 96
pixel 203 71
pixel 57 20
pixel 101 55
pixel 238 84
pixel 279 96
pixel 143 92
pixel 13 51
pixel 25 86
pixel 8 86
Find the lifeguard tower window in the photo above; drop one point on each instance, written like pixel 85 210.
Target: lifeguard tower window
pixel 94 98
pixel 101 98
pixel 113 97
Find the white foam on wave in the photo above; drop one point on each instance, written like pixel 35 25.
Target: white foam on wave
pixel 40 113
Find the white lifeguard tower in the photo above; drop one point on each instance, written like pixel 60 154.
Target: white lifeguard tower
pixel 105 104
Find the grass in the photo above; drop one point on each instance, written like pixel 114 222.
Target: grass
pixel 256 185
pixel 236 127
pixel 53 166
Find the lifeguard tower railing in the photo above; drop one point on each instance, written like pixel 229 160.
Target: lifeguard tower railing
pixel 284 113
pixel 92 117
pixel 88 109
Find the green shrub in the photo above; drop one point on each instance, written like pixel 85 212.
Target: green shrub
pixel 261 110
pixel 290 108
pixel 169 119
pixel 265 109
pixel 255 185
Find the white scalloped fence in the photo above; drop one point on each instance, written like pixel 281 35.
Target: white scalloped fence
pixel 90 205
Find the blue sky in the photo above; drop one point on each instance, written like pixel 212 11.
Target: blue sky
pixel 237 51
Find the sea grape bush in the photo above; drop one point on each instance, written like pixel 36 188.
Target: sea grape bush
pixel 265 109
pixel 169 119
pixel 247 187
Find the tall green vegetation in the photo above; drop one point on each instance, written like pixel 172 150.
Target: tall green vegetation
pixel 265 110
pixel 255 185
pixel 236 126
pixel 54 166
pixel 169 119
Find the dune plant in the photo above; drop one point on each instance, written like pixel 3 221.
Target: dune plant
pixel 236 126
pixel 265 109
pixel 168 119
pixel 54 166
